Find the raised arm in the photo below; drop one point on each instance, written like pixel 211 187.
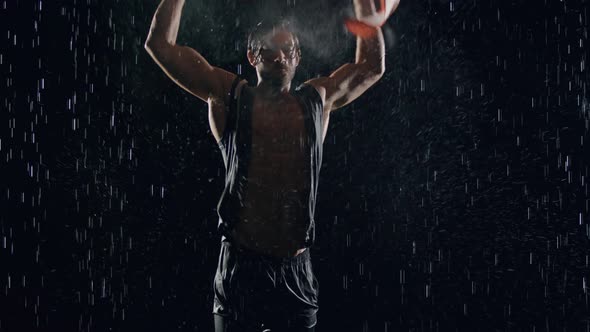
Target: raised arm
pixel 352 79
pixel 182 64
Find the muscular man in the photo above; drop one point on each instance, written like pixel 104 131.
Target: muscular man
pixel 270 137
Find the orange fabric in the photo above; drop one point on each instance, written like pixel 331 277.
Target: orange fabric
pixel 364 30
pixel 359 28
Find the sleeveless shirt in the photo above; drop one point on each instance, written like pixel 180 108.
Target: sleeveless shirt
pixel 235 146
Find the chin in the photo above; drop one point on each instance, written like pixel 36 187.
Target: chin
pixel 280 79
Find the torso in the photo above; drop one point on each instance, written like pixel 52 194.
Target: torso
pixel 274 216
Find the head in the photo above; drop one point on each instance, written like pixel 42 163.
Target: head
pixel 273 49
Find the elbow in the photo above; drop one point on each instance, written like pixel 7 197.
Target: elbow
pixel 376 69
pixel 155 47
pixel 372 68
pixel 377 72
pixel 155 43
pixel 150 45
pixel 379 69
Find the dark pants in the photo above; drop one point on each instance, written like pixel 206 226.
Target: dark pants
pixel 259 293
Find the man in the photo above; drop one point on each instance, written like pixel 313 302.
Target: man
pixel 271 140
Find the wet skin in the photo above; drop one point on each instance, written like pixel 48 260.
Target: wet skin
pixel 274 216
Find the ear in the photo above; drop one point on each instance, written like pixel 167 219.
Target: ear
pixel 252 58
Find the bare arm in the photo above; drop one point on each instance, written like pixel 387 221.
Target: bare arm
pixel 352 79
pixel 185 66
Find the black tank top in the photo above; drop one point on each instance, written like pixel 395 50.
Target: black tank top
pixel 235 146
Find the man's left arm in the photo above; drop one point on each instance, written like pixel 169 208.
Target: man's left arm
pixel 352 79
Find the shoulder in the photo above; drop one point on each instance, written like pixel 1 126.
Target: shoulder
pixel 233 89
pixel 318 85
pixel 222 109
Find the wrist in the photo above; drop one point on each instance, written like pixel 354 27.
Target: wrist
pixel 363 8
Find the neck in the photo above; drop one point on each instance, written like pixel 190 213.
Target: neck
pixel 272 89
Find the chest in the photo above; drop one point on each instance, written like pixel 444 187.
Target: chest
pixel 278 127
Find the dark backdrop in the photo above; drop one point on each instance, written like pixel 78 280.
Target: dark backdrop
pixel 453 194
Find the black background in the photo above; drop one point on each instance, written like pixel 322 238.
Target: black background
pixel 453 193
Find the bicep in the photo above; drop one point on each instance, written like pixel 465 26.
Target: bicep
pixel 346 84
pixel 187 68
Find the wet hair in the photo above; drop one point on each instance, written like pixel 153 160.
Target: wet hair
pixel 262 28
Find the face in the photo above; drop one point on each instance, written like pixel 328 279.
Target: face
pixel 278 57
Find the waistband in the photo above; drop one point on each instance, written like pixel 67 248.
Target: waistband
pixel 246 254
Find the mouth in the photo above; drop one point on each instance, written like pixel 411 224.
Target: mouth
pixel 280 67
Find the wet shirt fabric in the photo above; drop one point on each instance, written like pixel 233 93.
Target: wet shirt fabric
pixel 256 292
pixel 235 146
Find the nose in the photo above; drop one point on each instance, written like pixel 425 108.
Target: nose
pixel 279 56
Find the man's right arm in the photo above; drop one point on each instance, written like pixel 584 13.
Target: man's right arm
pixel 182 64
